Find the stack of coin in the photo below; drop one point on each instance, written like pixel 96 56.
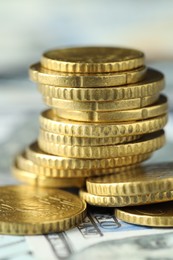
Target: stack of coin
pixel 106 116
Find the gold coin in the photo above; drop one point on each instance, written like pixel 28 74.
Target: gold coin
pixel 45 76
pixel 84 141
pixel 146 144
pixel 54 124
pixel 151 85
pixel 142 180
pixel 27 165
pixel 28 210
pixel 47 182
pixel 100 106
pixel 157 215
pixel 124 201
pixel 156 109
pixel 92 59
pixel 35 154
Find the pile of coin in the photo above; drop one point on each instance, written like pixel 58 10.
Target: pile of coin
pixel 106 117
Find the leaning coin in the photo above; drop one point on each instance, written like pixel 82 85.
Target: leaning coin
pixel 151 85
pixel 142 180
pixel 37 156
pixel 45 76
pixel 124 201
pixel 147 144
pixel 54 124
pixel 29 210
pixel 92 59
pixel 157 215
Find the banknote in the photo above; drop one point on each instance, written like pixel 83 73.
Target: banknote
pixel 101 234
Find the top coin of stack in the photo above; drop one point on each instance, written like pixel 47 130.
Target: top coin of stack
pixel 106 114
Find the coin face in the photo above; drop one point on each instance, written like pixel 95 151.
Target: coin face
pixel 92 59
pixel 142 180
pixel 28 210
pixel 160 215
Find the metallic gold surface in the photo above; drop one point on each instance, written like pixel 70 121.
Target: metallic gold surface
pixel 47 182
pixel 116 105
pixel 45 76
pixel 27 210
pixel 157 109
pixel 92 59
pixel 151 85
pixel 124 201
pixel 25 164
pixel 35 154
pixel 52 123
pixel 143 180
pixel 147 144
pixel 84 141
pixel 157 215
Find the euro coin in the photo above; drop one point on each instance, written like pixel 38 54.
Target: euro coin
pixel 36 155
pixel 55 124
pixel 124 201
pixel 92 59
pixel 151 85
pixel 28 210
pixel 147 144
pixel 157 215
pixel 142 180
pixel 156 109
pixel 44 76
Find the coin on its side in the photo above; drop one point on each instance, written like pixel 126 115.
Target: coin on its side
pixel 156 109
pixel 44 76
pixel 151 85
pixel 146 144
pixel 37 156
pixel 157 215
pixel 28 210
pixel 92 59
pixel 115 105
pixel 142 180
pixel 55 124
pixel 47 182
pixel 124 201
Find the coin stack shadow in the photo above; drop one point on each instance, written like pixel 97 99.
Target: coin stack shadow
pixel 106 117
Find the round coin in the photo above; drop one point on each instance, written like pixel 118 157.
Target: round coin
pixel 45 76
pixel 36 155
pixel 92 59
pixel 156 109
pixel 151 85
pixel 124 201
pixel 46 182
pixel 100 106
pixel 146 144
pixel 84 141
pixel 25 164
pixel 54 124
pixel 142 180
pixel 157 215
pixel 29 210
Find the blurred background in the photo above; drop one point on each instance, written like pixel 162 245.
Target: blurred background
pixel 28 28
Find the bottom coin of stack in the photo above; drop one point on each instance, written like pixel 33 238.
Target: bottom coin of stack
pixel 27 210
pixel 144 185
